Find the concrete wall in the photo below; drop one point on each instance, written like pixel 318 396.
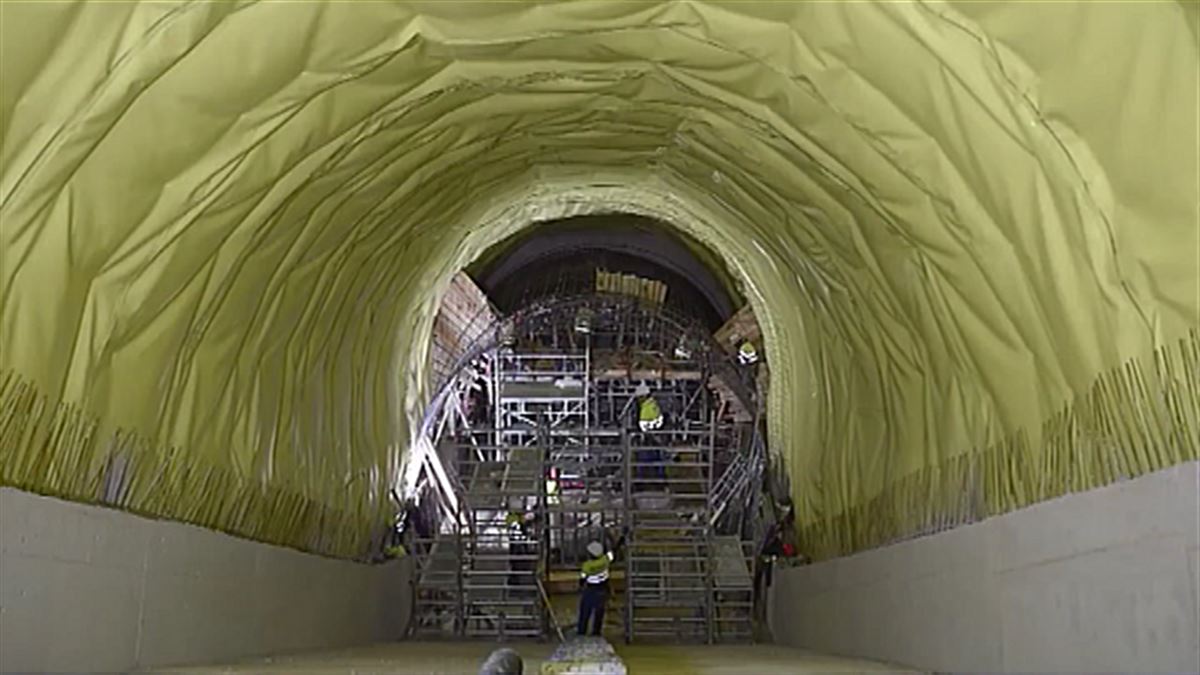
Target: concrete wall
pixel 1100 581
pixel 91 589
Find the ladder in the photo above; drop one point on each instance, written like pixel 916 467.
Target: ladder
pixel 733 590
pixel 501 559
pixel 437 610
pixel 669 581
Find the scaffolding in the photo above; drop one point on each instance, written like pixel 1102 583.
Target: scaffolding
pixel 543 456
pixel 501 552
pixel 536 389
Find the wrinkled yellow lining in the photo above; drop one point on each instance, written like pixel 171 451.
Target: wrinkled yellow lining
pixel 226 226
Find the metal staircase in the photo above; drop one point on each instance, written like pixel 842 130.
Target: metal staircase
pixel 502 545
pixel 668 592
pixel 733 590
pixel 683 583
pixel 738 483
pixel 683 492
pixel 438 587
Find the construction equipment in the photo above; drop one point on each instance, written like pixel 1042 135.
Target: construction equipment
pixel 557 462
pixel 546 599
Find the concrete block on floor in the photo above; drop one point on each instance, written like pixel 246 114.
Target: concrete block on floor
pixel 584 656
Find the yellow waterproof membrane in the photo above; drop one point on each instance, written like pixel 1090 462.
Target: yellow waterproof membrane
pixel 968 230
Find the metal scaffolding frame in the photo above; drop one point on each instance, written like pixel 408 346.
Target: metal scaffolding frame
pixel 548 393
pixel 539 388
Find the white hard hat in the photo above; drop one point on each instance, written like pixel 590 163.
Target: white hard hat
pixel 642 390
pixel 595 549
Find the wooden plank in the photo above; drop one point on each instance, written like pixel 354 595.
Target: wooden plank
pixel 649 290
pixel 621 374
pixel 463 316
pixel 743 325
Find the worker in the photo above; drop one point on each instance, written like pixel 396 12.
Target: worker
pixel 521 546
pixel 683 348
pixel 747 353
pixel 774 547
pixel 413 534
pixel 554 517
pixel 650 416
pixel 508 337
pixel 647 455
pixel 593 580
pixel 518 522
pixel 552 486
pixel 583 321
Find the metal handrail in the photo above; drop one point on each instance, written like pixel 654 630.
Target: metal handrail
pixel 491 337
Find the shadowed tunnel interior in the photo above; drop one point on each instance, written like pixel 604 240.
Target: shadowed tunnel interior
pixel 968 231
pixel 533 262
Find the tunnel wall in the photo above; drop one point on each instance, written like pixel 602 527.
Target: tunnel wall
pixel 968 230
pixel 1101 581
pixel 88 589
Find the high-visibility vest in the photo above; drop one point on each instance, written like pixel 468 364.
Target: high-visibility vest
pixel 583 321
pixel 516 526
pixel 747 354
pixel 649 414
pixel 595 571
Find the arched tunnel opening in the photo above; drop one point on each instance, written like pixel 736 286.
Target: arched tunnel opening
pixel 595 391
pixel 535 262
pixel 361 333
pixel 597 388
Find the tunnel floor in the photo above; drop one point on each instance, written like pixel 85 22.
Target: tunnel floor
pixel 465 657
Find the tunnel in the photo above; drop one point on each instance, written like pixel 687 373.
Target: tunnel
pixel 263 263
pixel 537 262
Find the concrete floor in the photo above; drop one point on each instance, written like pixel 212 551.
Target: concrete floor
pixel 764 659
pixel 411 658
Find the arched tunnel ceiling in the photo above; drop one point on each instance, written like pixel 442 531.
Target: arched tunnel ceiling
pixel 226 226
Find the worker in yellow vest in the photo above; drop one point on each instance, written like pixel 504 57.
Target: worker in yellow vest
pixel 650 416
pixel 648 458
pixel 593 580
pixel 747 353
pixel 522 546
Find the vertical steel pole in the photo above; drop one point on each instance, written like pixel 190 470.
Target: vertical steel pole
pixel 630 523
pixel 710 586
